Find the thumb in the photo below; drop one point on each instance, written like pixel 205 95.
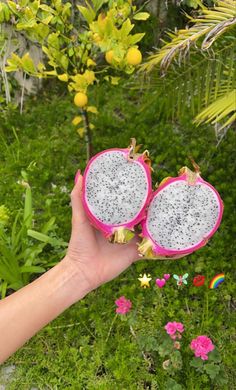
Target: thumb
pixel 130 251
pixel 78 214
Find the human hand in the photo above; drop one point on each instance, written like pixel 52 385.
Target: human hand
pixel 93 256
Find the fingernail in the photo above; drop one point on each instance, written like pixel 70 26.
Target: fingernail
pixel 77 176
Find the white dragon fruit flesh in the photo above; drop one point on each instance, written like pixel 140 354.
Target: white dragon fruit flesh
pixel 116 190
pixel 183 214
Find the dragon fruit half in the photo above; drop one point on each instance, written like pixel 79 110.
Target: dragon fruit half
pixel 116 189
pixel 183 214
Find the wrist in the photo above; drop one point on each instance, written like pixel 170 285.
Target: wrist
pixel 76 285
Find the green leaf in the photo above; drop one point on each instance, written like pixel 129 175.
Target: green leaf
pixel 16 285
pixel 24 3
pixel 5 273
pixel 212 370
pixel 135 38
pixel 25 25
pixel 64 61
pixel 193 3
pixel 87 12
pixel 148 343
pixel 71 52
pixel 28 208
pixel 53 41
pixel 14 63
pixel 28 63
pixel 3 289
pixel 47 20
pixel 126 28
pixel 66 11
pixel 48 9
pixel 141 16
pixel 214 356
pixel 176 360
pixel 14 235
pixel 42 30
pixel 221 108
pixel 34 6
pixel 44 238
pixel 197 363
pixel 165 348
pixel 13 7
pixel 11 68
pixel 97 4
pixel 46 51
pixel 171 384
pixel 50 225
pixel 221 378
pixel 8 261
pixel 32 269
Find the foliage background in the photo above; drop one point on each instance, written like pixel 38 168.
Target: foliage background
pixel 73 351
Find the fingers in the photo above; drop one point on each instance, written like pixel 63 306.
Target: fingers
pixel 131 250
pixel 122 256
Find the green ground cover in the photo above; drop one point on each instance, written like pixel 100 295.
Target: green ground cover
pixel 88 347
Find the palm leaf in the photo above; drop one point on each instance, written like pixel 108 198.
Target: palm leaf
pixel 211 24
pixel 198 82
pixel 222 107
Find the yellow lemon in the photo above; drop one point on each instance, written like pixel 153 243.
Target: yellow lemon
pixel 80 99
pixel 134 56
pixel 109 56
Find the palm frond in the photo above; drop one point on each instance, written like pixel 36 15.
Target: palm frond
pixel 219 29
pixel 202 78
pixel 221 108
pixel 211 24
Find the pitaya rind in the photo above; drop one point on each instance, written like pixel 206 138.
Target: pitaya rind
pixel 116 189
pixel 184 212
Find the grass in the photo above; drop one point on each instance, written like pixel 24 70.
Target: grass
pixel 87 347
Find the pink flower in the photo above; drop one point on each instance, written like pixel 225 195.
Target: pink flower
pixel 201 346
pixel 179 327
pixel 173 327
pixel 170 328
pixel 124 305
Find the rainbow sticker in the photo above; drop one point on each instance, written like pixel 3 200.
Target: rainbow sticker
pixel 217 280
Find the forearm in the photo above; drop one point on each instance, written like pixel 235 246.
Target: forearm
pixel 25 312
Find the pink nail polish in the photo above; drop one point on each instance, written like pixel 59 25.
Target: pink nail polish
pixel 77 176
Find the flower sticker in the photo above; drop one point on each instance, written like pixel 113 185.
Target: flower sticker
pixel 198 280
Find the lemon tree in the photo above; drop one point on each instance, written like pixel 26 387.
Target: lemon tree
pixel 73 40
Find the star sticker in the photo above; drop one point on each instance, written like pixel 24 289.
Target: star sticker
pixel 145 279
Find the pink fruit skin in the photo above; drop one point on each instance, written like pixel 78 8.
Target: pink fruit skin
pixel 168 252
pixel 108 230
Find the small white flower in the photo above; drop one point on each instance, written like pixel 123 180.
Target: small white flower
pixel 64 189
